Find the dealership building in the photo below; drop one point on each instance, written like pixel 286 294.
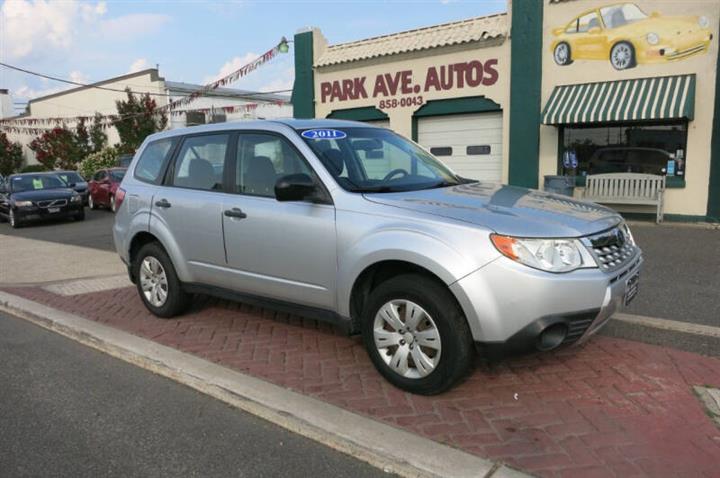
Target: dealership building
pixel 552 87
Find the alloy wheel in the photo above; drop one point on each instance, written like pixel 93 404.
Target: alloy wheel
pixel 112 203
pixel 12 218
pixel 91 202
pixel 407 339
pixel 153 281
pixel 561 54
pixel 621 56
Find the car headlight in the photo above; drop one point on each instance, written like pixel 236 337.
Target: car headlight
pixel 75 198
pixel 23 203
pixel 652 38
pixel 628 234
pixel 703 22
pixel 551 255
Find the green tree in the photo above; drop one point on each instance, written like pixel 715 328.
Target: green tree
pixel 98 138
pixel 57 148
pixel 82 137
pixel 138 117
pixel 11 157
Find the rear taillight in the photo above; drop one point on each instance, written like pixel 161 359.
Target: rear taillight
pixel 119 197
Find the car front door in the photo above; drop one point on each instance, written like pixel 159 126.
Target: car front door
pixel 281 250
pixel 591 40
pixel 188 206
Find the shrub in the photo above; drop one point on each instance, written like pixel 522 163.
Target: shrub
pixel 11 156
pixel 105 158
pixel 34 168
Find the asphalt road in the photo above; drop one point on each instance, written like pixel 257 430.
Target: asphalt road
pixel 680 280
pixel 95 231
pixel 68 410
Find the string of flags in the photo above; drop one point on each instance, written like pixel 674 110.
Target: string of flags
pixel 40 125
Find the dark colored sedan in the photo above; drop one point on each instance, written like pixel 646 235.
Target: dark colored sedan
pixel 38 196
pixel 75 181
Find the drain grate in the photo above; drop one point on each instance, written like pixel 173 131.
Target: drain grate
pixel 711 399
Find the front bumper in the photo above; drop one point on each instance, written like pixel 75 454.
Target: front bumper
pixel 36 214
pixel 508 305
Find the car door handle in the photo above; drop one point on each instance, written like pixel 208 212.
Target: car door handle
pixel 163 203
pixel 235 212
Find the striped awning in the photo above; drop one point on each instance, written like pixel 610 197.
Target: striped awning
pixel 659 98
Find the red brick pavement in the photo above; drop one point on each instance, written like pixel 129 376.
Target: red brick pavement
pixel 608 408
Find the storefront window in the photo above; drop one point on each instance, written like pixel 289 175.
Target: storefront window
pixel 649 149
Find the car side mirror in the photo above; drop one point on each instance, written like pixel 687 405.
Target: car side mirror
pixel 594 30
pixel 295 187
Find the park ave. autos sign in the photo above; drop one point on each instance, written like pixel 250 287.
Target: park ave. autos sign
pixel 405 88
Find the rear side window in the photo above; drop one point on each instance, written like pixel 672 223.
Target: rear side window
pixel 201 162
pixel 150 165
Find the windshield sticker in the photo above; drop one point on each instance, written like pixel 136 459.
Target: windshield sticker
pixel 37 183
pixel 323 134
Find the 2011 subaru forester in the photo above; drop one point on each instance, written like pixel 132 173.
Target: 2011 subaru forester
pixel 352 223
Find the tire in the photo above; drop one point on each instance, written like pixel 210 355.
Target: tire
pixel 562 54
pixel 91 202
pixel 451 360
pixel 80 216
pixel 176 300
pixel 112 204
pixel 622 56
pixel 14 222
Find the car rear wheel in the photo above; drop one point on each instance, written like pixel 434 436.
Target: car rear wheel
pixel 157 282
pixel 91 202
pixel 112 204
pixel 622 56
pixel 562 54
pixel 417 335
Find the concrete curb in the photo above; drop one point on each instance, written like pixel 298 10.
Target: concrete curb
pixel 670 325
pixel 355 435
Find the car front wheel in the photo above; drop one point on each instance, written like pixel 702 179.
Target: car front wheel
pixel 13 220
pixel 561 54
pixel 622 56
pixel 157 282
pixel 112 204
pixel 91 202
pixel 417 335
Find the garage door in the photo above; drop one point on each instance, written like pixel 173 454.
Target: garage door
pixel 471 144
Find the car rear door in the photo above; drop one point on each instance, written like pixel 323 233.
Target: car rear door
pixel 280 250
pixel 188 206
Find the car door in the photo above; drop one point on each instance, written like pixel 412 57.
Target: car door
pixel 188 207
pixel 104 187
pixel 280 250
pixel 94 186
pixel 591 39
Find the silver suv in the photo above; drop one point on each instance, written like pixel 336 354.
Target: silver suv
pixel 354 224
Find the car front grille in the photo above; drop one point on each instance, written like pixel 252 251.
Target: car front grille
pixel 611 249
pixel 52 203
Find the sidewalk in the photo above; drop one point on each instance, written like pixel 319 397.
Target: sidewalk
pixel 609 408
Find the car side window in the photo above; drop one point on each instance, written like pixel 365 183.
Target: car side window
pixel 572 27
pixel 150 165
pixel 261 160
pixel 586 22
pixel 201 162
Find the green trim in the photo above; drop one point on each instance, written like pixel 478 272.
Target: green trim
pixel 452 106
pixel 525 82
pixel 368 113
pixel 713 207
pixel 303 94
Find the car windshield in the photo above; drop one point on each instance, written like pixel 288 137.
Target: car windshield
pixel 377 160
pixel 35 182
pixel 71 177
pixel 117 175
pixel 619 15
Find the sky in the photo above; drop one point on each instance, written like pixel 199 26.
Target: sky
pixel 192 41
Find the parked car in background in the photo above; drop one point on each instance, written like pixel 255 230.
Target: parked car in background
pixel 75 181
pixel 103 188
pixel 124 160
pixel 420 261
pixel 624 159
pixel 32 197
pixel 626 36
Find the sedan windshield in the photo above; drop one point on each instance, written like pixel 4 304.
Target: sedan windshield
pixel 71 177
pixel 619 15
pixel 377 160
pixel 35 182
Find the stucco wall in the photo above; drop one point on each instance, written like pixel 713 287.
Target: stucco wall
pixel 691 200
pixel 418 63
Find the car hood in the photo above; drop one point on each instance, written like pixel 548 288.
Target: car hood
pixel 507 210
pixel 43 194
pixel 80 186
pixel 663 26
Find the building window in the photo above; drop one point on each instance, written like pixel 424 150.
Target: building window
pixel 441 151
pixel 649 149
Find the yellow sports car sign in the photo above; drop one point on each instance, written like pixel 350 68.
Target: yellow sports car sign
pixel 623 34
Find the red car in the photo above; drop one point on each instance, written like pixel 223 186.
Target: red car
pixel 102 187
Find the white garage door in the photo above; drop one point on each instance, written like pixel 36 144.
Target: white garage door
pixel 471 144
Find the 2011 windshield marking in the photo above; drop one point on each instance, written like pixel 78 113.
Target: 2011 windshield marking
pixel 324 134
